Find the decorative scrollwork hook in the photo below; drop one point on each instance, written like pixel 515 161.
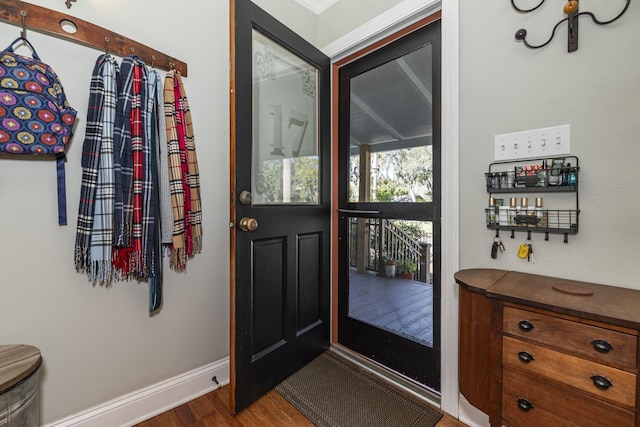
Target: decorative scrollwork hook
pixel 513 3
pixel 571 9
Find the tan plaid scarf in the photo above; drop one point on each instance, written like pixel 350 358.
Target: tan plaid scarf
pixel 184 178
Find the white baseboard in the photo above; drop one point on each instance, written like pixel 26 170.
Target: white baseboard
pixel 150 401
pixel 472 416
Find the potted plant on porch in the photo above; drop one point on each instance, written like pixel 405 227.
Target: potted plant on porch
pixel 405 269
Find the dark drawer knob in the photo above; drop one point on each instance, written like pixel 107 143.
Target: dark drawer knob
pixel 601 346
pixel 525 356
pixel 525 405
pixel 525 326
pixel 601 382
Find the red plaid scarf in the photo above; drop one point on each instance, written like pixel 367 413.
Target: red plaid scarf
pixel 194 213
pixel 136 259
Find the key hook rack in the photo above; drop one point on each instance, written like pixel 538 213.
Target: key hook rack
pixel 571 10
pixel 523 178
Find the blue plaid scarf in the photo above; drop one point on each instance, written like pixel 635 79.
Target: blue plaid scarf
pixel 90 165
pixel 102 234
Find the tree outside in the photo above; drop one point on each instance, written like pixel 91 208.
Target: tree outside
pixel 403 175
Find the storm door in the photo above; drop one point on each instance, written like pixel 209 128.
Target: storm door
pixel 389 206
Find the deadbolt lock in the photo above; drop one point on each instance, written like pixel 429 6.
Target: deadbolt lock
pixel 245 198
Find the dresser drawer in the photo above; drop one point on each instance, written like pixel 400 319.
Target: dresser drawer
pixel 598 344
pixel 571 371
pixel 554 405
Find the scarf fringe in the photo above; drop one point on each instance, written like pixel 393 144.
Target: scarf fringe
pixel 81 258
pixel 128 263
pixel 197 244
pixel 178 259
pixel 101 272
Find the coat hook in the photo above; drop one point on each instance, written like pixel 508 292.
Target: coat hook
pixel 153 60
pixel 571 10
pixel 106 45
pixel 68 3
pixel 23 34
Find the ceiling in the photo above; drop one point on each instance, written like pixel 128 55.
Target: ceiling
pixel 317 6
pixel 391 105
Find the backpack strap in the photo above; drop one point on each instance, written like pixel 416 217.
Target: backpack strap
pixel 10 48
pixel 61 159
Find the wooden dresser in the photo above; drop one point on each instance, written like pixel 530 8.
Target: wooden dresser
pixel 543 351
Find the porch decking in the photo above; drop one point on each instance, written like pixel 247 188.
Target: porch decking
pixel 401 306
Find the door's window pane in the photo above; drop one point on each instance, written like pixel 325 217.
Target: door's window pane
pixel 285 167
pixel 391 131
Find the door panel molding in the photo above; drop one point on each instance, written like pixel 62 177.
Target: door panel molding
pixel 310 281
pixel 267 286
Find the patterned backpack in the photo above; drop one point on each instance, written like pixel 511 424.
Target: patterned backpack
pixel 35 117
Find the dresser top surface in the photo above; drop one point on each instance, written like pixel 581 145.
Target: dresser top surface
pixel 599 302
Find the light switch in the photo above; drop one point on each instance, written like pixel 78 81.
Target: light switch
pixel 507 146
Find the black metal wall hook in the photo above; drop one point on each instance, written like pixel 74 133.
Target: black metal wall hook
pixel 572 19
pixel 513 3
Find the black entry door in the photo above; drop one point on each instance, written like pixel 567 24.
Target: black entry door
pixel 280 203
pixel 389 199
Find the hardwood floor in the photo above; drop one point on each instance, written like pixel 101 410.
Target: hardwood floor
pixel 271 410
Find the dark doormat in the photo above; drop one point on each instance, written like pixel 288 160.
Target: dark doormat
pixel 331 391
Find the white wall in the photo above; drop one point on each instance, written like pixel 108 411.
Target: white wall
pixel 99 343
pixel 295 16
pixel 505 87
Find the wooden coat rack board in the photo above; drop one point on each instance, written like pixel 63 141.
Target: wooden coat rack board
pixel 49 21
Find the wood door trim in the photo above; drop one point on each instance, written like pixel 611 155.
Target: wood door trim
pixel 335 129
pixel 232 205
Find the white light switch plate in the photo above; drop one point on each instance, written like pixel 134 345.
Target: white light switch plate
pixel 533 144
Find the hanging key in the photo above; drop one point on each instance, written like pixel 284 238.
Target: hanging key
pixel 494 250
pixel 523 251
pixel 496 246
pixel 530 255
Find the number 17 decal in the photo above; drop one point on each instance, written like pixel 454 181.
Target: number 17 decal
pixel 296 118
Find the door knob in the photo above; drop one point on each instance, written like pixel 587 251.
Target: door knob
pixel 248 224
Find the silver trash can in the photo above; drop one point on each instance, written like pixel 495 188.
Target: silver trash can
pixel 19 384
